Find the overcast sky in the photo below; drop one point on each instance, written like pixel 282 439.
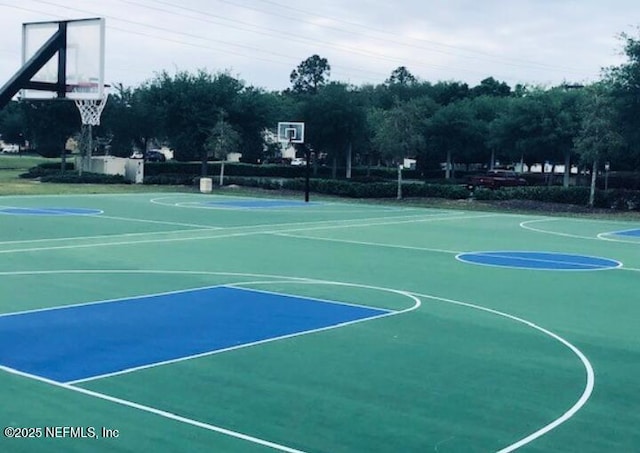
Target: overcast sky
pixel 539 42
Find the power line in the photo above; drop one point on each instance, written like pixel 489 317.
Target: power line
pixel 479 54
pixel 243 50
pixel 295 37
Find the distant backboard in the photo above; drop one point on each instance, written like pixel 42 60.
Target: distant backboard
pixel 291 132
pixel 84 57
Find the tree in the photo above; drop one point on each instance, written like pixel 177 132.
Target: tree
pixel 445 93
pixel 527 129
pixel 50 125
pixel 310 75
pixel 334 119
pixel 624 81
pixel 253 113
pixel 130 120
pixel 453 133
pixel 401 76
pixel 400 131
pixel 189 105
pixel 12 124
pixel 491 87
pixel 223 139
pixel 598 137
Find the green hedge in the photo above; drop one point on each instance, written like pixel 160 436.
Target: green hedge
pixel 269 170
pixel 46 169
pixel 85 178
pixel 361 186
pixel 554 194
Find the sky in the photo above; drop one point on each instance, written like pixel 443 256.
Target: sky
pixel 533 42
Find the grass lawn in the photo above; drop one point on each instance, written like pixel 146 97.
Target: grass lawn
pixel 12 166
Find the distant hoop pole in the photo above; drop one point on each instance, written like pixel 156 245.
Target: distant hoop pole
pixel 307 173
pixel 292 132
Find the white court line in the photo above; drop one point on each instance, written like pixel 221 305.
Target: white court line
pixel 590 381
pixel 236 434
pixel 162 222
pixel 241 234
pixel 526 225
pixel 236 285
pixel 102 236
pixel 144 195
pixel 100 215
pixel 590 374
pixel 374 244
pixel 592 267
pixel 604 237
pixel 152 410
pixel 294 296
pixel 51 211
pixel 209 228
pixel 386 314
pixel 321 203
pixel 107 301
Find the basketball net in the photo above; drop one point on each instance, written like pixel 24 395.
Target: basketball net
pixel 91 109
pixel 90 112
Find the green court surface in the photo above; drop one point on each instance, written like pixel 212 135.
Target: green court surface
pixel 513 352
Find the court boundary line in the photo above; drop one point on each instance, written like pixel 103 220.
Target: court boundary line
pixel 155 411
pixel 590 381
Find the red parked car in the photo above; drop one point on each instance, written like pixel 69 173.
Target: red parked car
pixel 494 179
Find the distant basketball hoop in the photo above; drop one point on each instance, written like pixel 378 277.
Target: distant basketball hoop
pixel 291 132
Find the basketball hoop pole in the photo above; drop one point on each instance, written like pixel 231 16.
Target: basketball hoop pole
pixel 307 155
pixel 90 112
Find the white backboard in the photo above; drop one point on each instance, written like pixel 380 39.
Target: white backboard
pixel 84 54
pixel 291 132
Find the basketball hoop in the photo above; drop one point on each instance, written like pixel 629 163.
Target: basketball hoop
pixel 91 109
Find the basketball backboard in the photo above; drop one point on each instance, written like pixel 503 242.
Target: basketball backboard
pixel 291 132
pixel 83 57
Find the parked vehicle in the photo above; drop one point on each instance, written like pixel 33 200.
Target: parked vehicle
pixel 495 179
pixel 9 149
pixel 154 156
pixel 149 156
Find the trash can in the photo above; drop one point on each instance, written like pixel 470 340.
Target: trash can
pixel 206 185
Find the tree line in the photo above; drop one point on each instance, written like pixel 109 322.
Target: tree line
pixel 203 116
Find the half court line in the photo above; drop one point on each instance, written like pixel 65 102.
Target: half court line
pixel 373 244
pixel 241 234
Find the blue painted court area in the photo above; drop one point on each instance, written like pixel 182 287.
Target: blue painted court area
pixel 50 211
pixel 83 341
pixel 539 260
pixel 629 233
pixel 258 204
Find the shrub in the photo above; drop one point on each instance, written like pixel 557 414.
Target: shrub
pixel 272 170
pixel 85 178
pixel 46 169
